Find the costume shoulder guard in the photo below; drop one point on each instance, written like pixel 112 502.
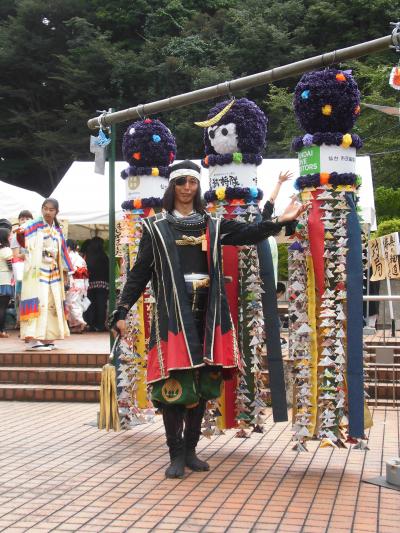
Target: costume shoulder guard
pixel 150 220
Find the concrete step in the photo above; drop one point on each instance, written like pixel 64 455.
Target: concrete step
pixel 50 375
pixel 52 359
pixel 393 341
pixel 49 393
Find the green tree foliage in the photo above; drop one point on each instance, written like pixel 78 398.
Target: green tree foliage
pixel 61 61
pixel 388 226
pixel 387 203
pixel 283 262
pixel 380 132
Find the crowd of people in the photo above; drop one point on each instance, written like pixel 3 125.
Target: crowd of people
pixel 48 285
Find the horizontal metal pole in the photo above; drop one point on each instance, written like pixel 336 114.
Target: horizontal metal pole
pixel 383 298
pixel 375 346
pixel 247 82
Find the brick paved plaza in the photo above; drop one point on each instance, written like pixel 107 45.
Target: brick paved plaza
pixel 59 473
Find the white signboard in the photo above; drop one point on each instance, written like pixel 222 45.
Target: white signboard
pixel 145 187
pixel 315 159
pixel 232 175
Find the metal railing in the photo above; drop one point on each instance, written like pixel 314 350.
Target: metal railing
pixel 378 365
pixel 384 298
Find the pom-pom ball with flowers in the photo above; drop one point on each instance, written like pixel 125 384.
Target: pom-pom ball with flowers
pixel 148 144
pixel 327 101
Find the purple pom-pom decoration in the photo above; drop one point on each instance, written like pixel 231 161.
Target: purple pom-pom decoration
pixel 327 138
pixel 225 159
pixel 333 101
pixel 148 143
pixel 235 193
pixel 152 201
pixel 335 179
pixel 307 139
pixel 250 122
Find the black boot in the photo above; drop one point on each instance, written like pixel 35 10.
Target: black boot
pixel 173 422
pixel 193 419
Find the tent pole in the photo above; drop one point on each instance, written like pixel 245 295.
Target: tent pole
pixel 111 223
pixel 247 82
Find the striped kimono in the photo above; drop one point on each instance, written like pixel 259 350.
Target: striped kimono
pixel 43 297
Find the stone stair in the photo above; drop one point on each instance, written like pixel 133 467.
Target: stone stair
pixel 51 376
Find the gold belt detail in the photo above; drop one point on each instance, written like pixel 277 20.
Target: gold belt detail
pixel 200 283
pixel 190 240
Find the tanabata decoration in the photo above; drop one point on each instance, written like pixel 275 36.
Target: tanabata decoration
pixel 234 138
pixel 148 147
pixel 325 265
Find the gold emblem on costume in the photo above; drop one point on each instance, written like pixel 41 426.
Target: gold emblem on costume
pixel 133 182
pixel 171 390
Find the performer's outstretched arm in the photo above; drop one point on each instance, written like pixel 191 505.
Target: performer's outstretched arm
pixel 240 233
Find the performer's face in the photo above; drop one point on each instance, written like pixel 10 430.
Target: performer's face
pixel 186 189
pixel 49 212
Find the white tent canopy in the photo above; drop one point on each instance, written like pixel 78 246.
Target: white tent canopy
pixel 83 198
pixel 83 195
pixel 15 199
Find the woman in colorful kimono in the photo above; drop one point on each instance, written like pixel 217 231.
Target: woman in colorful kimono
pixel 42 312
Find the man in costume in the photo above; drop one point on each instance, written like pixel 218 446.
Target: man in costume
pixel 192 344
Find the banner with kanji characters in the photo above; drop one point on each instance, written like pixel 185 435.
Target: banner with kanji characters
pixel 384 257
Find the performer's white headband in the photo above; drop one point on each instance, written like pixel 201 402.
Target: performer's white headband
pixel 184 172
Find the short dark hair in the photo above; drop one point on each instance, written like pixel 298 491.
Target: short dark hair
pixel 25 214
pixel 51 201
pixel 4 235
pixel 280 288
pixel 71 244
pixel 4 223
pixel 169 199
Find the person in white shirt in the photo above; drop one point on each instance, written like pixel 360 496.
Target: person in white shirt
pixel 77 292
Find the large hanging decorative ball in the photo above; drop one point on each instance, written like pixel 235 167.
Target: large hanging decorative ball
pixel 327 101
pixel 148 143
pixel 242 129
